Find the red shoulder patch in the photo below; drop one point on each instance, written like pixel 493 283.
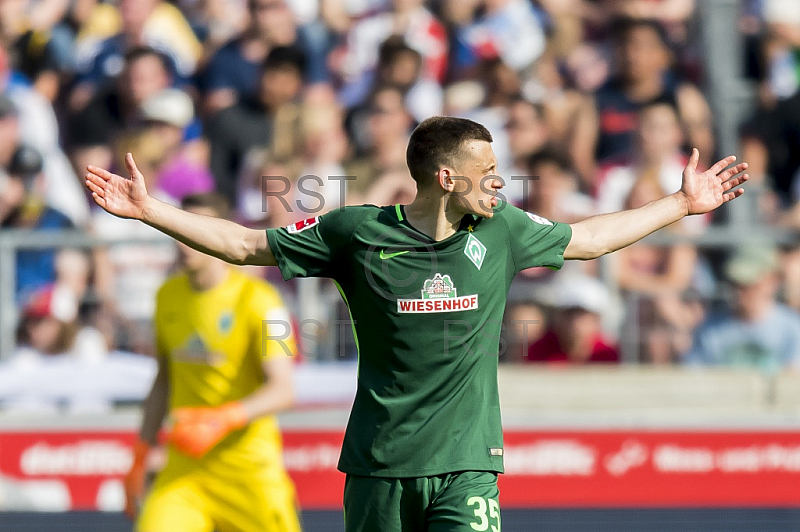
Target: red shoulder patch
pixel 302 225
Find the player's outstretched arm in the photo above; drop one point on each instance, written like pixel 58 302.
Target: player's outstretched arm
pixel 699 193
pixel 127 197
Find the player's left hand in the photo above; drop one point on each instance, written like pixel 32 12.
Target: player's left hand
pixel 708 190
pixel 198 429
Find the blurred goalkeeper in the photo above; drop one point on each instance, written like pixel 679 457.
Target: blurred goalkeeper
pixel 224 342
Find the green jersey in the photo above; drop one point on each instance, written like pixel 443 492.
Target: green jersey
pixel 427 319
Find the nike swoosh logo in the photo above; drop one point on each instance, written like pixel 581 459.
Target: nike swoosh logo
pixel 383 255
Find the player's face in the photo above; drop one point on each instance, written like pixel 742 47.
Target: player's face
pixel 475 181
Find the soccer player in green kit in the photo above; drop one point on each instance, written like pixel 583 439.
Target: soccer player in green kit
pixel 426 285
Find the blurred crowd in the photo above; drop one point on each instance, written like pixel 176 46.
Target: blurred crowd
pixel 290 108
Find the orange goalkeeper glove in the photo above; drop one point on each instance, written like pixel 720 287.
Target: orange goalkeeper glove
pixel 134 480
pixel 198 429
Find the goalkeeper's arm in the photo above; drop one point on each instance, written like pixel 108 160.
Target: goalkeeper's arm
pixel 198 429
pixel 154 410
pixel 277 392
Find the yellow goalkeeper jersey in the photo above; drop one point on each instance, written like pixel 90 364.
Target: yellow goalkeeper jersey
pixel 214 343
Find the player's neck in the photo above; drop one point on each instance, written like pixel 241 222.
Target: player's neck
pixel 208 277
pixel 429 213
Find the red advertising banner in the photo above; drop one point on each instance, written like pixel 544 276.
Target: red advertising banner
pixel 311 459
pixel 65 470
pixel 83 469
pixel 629 469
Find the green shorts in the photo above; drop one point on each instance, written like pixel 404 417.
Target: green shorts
pixel 466 501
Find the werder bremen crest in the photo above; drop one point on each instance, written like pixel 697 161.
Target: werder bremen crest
pixel 475 250
pixel 439 287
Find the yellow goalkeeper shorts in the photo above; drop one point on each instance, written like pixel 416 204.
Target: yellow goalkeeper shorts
pixel 200 502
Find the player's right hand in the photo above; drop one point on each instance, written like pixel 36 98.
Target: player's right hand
pixel 121 196
pixel 135 479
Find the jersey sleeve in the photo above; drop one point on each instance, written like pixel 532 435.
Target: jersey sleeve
pixel 314 247
pixel 535 241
